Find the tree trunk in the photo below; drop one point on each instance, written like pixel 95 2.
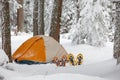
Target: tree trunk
pixel 20 17
pixel 41 18
pixel 38 18
pixel 1 19
pixel 6 37
pixel 35 18
pixel 117 31
pixel 78 10
pixel 55 22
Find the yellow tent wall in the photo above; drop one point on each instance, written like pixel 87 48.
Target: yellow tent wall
pixel 33 49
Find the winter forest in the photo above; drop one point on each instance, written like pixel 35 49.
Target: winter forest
pixel 91 27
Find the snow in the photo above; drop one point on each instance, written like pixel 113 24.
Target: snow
pixel 3 57
pixel 98 64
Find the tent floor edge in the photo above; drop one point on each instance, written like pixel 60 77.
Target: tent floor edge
pixel 30 62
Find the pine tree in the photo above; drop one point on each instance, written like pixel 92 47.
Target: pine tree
pixel 28 15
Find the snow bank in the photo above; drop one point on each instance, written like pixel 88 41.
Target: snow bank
pixel 62 76
pixel 72 77
pixel 3 58
pixel 59 76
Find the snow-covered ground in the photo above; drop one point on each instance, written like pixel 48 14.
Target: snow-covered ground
pixel 98 64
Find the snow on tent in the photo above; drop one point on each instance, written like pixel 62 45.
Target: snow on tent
pixel 38 49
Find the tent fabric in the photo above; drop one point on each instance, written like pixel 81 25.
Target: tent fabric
pixel 40 49
pixel 53 48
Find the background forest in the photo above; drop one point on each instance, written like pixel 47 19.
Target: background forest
pixel 87 27
pixel 82 21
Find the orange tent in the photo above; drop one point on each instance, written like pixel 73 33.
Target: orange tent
pixel 40 49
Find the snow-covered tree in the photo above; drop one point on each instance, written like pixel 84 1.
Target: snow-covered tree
pixel 68 13
pixel 93 25
pixel 14 5
pixel 28 15
pixel 13 16
pixel 48 5
pixel 48 14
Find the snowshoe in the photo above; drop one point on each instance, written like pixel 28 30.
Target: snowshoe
pixel 64 60
pixel 79 59
pixel 56 61
pixel 71 59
